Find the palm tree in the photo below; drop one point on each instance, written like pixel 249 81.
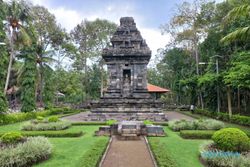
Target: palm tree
pixel 241 33
pixel 17 16
pixel 44 58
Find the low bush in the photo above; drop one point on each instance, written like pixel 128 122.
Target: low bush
pixel 202 124
pixel 208 124
pixel 87 123
pixel 218 158
pixel 93 156
pixel 35 149
pixel 51 133
pixel 147 122
pixel 162 157
pixel 46 126
pixel 161 123
pixel 19 117
pixel 53 119
pixel 231 139
pixel 196 134
pixel 39 118
pixel 178 125
pixel 111 122
pixel 11 137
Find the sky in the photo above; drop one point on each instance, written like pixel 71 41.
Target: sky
pixel 149 15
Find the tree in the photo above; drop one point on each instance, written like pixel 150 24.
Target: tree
pixel 91 37
pixel 189 26
pixel 28 80
pixel 17 15
pixel 242 33
pixel 3 60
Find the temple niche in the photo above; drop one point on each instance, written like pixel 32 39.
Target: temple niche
pixel 127 61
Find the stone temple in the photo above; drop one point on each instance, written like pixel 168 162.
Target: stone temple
pixel 127 61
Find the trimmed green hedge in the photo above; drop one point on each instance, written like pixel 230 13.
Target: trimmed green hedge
pixel 51 133
pixel 161 123
pixel 200 134
pixel 87 123
pixel 162 157
pixel 196 134
pixel 19 117
pixel 93 156
pixel 237 119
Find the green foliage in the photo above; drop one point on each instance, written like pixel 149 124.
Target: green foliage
pixel 3 102
pixel 11 137
pixel 239 73
pixel 162 156
pixel 231 139
pixel 35 149
pixel 147 122
pixel 201 124
pixel 46 126
pixel 196 134
pixel 93 156
pixel 28 81
pixel 53 119
pixel 238 119
pixel 111 122
pixel 218 158
pixel 19 117
pixel 39 118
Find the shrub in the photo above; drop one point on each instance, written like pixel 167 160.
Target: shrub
pixel 46 126
pixel 147 122
pixel 208 124
pixel 11 137
pixel 162 156
pixel 161 123
pixel 53 119
pixel 202 124
pixel 218 158
pixel 35 149
pixel 93 156
pixel 111 122
pixel 19 117
pixel 231 139
pixel 51 133
pixel 178 125
pixel 196 134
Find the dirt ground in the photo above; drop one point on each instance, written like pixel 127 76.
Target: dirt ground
pixel 128 153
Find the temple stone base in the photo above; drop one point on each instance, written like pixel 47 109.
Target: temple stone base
pixel 126 105
pixel 156 117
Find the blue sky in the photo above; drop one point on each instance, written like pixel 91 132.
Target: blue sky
pixel 148 14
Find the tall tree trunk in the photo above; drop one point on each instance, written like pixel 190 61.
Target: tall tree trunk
pixel 238 99
pixel 229 103
pixel 9 70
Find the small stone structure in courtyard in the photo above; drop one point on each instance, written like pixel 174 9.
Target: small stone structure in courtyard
pixel 131 130
pixel 127 94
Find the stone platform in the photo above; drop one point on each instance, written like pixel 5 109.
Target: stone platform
pixel 87 116
pixel 126 105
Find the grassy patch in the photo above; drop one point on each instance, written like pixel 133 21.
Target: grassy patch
pixel 183 152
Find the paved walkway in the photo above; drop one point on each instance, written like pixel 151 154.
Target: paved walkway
pixel 172 115
pixel 128 153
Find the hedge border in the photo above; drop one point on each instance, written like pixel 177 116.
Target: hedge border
pixel 197 134
pixel 50 133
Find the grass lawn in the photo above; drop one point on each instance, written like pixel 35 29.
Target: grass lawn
pixel 67 152
pixel 184 152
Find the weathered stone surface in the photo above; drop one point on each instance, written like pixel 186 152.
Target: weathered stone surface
pixel 127 61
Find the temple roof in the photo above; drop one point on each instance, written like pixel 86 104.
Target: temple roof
pixel 127 41
pixel 157 89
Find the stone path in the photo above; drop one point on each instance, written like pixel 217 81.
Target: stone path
pixel 171 115
pixel 128 153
